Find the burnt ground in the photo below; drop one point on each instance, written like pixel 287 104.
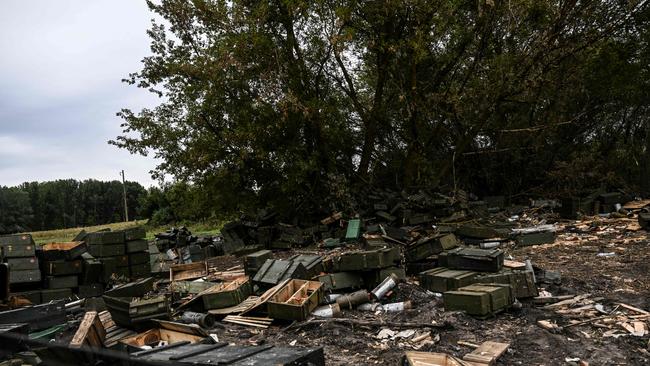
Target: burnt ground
pixel 624 277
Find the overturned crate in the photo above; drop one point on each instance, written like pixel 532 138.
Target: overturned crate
pixel 429 246
pixel 274 271
pixel 91 332
pixel 296 300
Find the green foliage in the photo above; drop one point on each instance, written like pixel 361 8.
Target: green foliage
pixel 279 102
pixel 65 204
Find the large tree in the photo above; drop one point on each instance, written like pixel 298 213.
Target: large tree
pixel 288 102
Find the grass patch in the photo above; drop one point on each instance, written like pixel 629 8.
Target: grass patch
pixel 65 235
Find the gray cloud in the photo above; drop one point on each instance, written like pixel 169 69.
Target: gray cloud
pixel 61 65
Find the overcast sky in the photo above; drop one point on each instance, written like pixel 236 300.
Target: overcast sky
pixel 61 65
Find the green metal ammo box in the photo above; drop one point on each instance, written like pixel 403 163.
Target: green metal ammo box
pixel 480 260
pixel 443 279
pixel 354 230
pixel 136 246
pixel 184 288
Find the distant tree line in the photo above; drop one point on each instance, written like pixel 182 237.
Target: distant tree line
pixel 67 203
pixel 295 104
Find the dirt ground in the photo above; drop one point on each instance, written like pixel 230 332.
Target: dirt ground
pixel 622 277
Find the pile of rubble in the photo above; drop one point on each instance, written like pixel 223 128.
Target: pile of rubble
pixel 402 271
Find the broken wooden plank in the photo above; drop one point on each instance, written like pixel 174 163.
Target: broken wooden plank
pixel 632 308
pixel 487 353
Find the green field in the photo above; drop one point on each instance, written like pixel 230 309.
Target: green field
pixel 63 235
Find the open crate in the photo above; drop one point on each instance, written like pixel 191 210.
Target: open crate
pixel 296 300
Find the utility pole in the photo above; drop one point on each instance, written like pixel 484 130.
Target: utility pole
pixel 126 208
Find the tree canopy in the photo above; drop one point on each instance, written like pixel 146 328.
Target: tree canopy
pixel 295 103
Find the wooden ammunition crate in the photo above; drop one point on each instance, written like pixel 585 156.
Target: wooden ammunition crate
pixel 521 282
pixel 479 260
pixel 429 246
pixel 135 246
pixel 341 281
pixel 91 269
pixel 64 251
pixel 254 261
pixel 138 258
pixel 22 264
pixel 105 238
pixel 443 279
pixel 106 250
pixel 62 268
pixel 528 239
pixel 313 263
pixel 366 260
pixel 134 233
pixel 21 245
pixel 274 271
pixel 296 300
pixel 226 294
pixel 188 271
pixel 184 288
pixel 140 270
pixel 479 300
pixel 60 282
pixel 27 276
pixel 127 311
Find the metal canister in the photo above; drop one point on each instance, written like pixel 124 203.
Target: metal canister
pixel 327 311
pixel 351 300
pixel 384 287
pixel 203 320
pixel 397 306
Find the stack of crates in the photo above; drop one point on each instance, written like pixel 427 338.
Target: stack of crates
pixel 19 252
pixel 61 266
pixel 137 250
pixel 109 247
